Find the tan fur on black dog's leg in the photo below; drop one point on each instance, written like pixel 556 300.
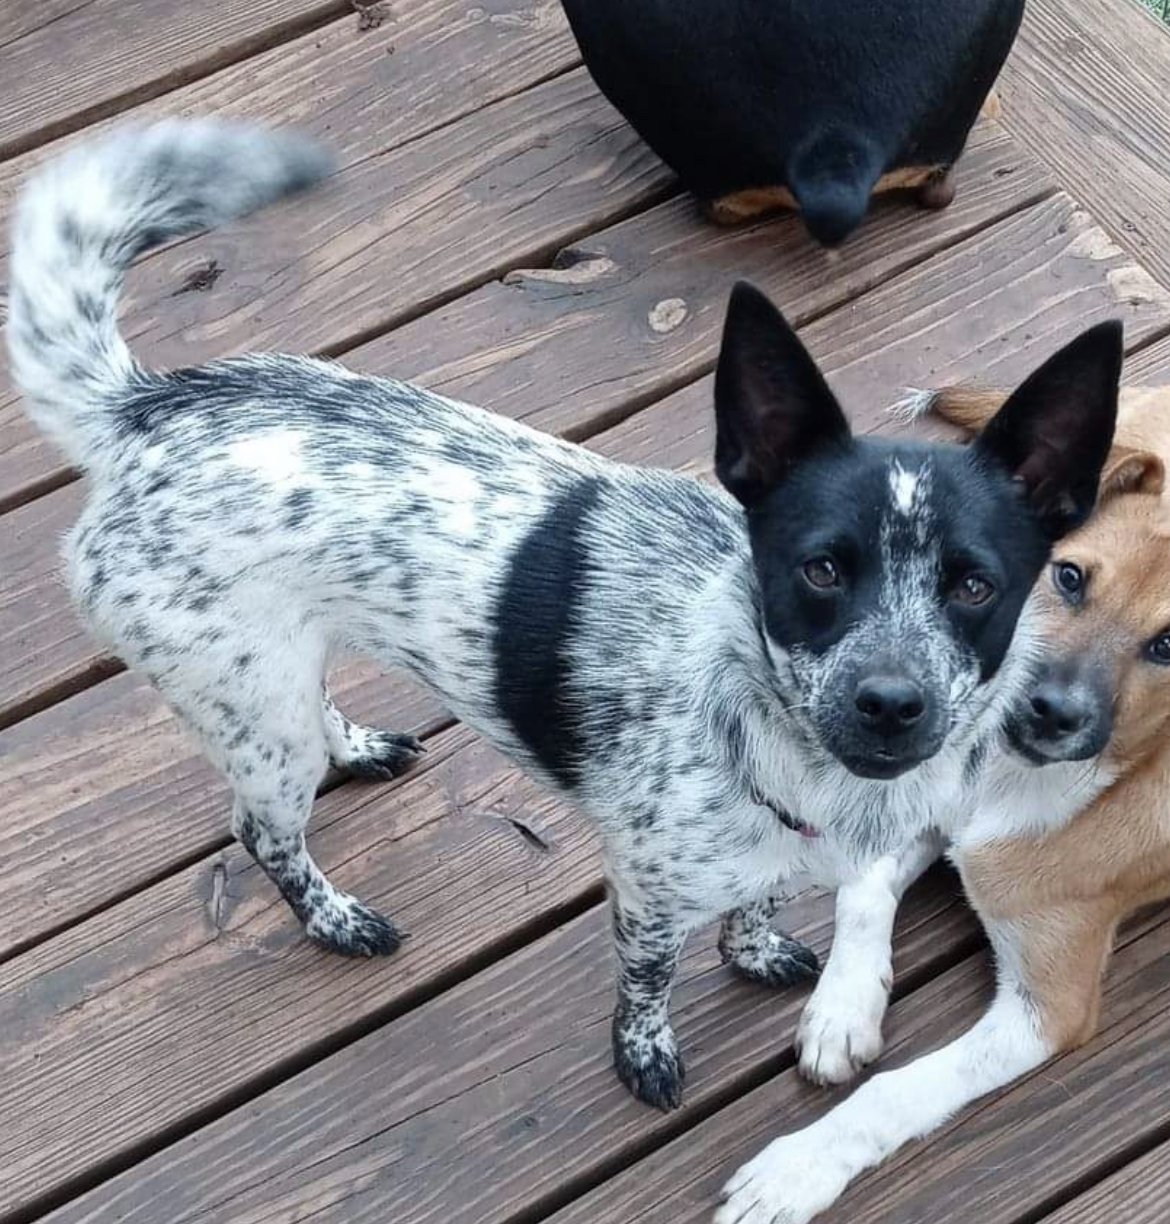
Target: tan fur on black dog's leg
pixel 939 190
pixel 749 204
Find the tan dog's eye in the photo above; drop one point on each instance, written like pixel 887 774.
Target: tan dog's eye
pixel 1159 649
pixel 1069 580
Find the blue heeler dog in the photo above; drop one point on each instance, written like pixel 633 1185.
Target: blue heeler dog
pixel 742 688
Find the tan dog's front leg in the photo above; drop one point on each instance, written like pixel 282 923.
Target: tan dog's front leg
pixel 1031 1019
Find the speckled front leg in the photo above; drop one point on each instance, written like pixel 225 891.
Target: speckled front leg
pixel 645 1052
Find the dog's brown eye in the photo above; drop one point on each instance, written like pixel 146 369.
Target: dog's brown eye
pixel 821 573
pixel 973 591
pixel 1159 649
pixel 1069 580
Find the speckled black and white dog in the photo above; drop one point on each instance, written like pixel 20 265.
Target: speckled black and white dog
pixel 834 639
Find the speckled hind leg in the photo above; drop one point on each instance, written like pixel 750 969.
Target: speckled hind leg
pixel 757 953
pixel 363 752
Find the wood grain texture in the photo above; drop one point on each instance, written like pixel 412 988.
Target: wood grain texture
pixel 951 318
pixel 988 311
pixel 396 233
pixel 364 94
pixel 1138 1193
pixel 638 308
pixel 997 1163
pixel 167 1003
pixel 1085 89
pixel 80 60
pixel 1151 366
pixel 496 1097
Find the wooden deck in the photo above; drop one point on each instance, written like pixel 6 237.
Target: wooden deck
pixel 171 1049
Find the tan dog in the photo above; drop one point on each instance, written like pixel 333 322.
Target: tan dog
pixel 1050 898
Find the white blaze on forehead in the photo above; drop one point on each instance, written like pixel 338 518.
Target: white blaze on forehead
pixel 904 486
pixel 910 490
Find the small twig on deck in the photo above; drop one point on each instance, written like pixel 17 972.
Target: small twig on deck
pixel 371 13
pixel 217 902
pixel 527 832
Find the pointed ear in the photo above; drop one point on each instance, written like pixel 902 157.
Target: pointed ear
pixel 772 407
pixel 1054 432
pixel 1132 471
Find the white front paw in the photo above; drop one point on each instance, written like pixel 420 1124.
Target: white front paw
pixel 840 1030
pixel 792 1180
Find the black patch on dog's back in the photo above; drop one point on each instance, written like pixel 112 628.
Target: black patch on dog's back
pixel 534 626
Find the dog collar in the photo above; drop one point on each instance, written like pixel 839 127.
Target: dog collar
pixel 785 817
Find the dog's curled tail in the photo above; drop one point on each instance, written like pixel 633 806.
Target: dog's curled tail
pixel 968 407
pixel 83 219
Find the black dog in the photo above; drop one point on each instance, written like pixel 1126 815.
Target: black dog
pixel 809 104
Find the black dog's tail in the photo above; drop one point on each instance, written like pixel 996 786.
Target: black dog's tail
pixel 81 222
pixel 832 177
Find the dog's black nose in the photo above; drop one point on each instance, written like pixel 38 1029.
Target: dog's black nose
pixel 889 704
pixel 1056 713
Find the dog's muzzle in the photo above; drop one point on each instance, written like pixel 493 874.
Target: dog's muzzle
pixel 1066 715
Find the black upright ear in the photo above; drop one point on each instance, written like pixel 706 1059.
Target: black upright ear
pixel 1054 432
pixel 772 407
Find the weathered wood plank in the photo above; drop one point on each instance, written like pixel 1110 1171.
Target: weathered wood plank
pixel 394 234
pixel 950 318
pixel 493 1098
pixel 43 649
pixel 640 309
pixel 1085 89
pixel 18 20
pixel 557 361
pixel 363 93
pixel 111 1029
pixel 1136 1194
pixel 1152 365
pixel 996 1164
pixel 78 61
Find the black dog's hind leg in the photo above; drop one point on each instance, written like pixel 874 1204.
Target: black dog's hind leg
pixel 363 752
pixel 758 953
pixel 645 1052
pixel 939 189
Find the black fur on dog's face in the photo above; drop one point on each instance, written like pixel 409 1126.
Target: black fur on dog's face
pixel 892 575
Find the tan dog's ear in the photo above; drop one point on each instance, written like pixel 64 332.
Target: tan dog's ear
pixel 1132 471
pixel 1143 413
pixel 968 407
pixel 1143 421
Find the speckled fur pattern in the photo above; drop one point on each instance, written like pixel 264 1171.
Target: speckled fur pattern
pixel 249 520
